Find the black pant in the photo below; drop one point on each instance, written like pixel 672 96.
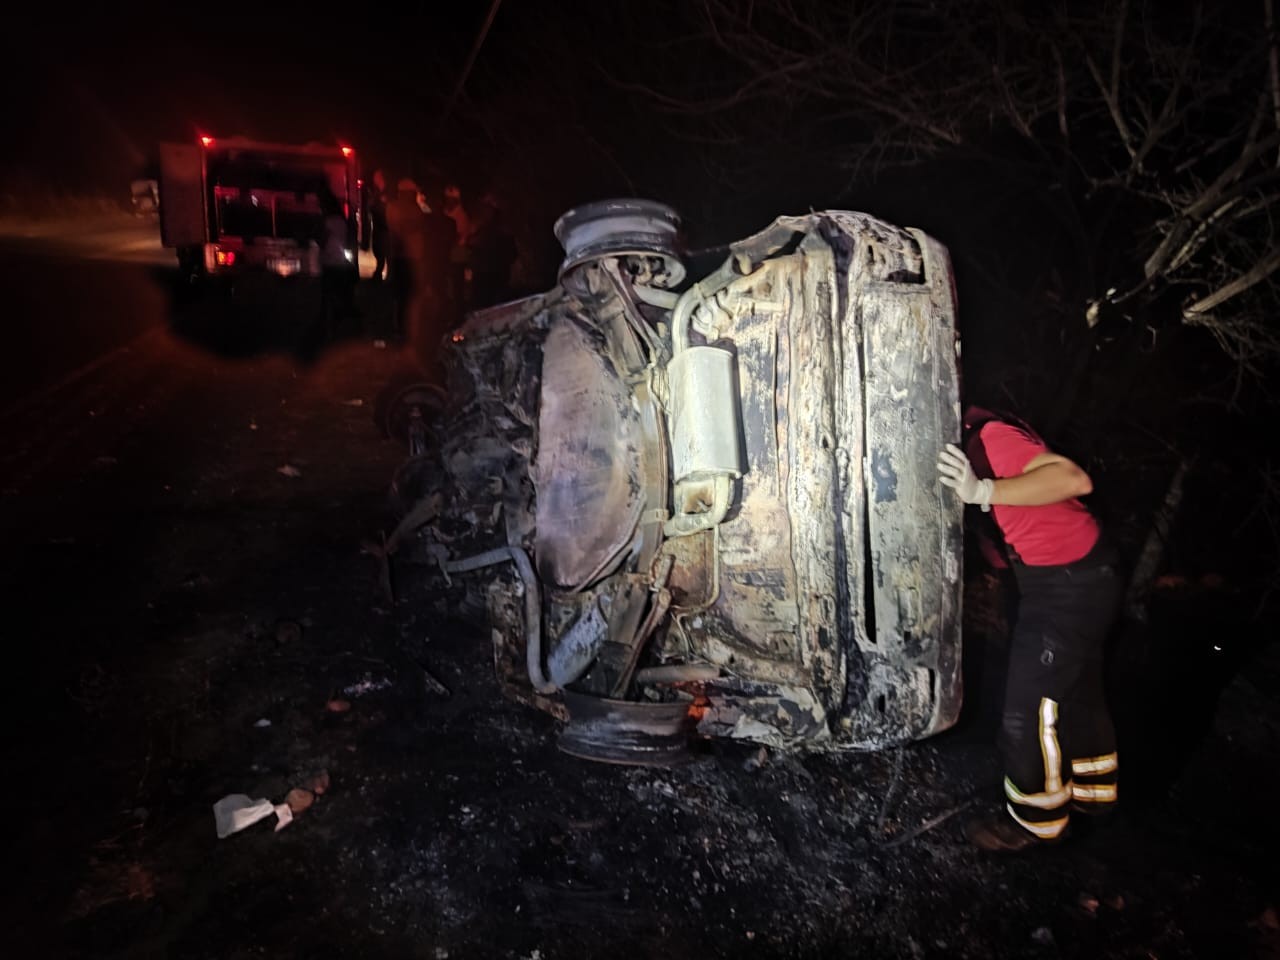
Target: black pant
pixel 378 246
pixel 1057 738
pixel 402 275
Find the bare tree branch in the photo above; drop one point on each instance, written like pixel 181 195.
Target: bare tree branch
pixel 1199 310
pixel 1144 129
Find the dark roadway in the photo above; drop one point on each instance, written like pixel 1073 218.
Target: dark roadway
pixel 81 291
pixel 75 290
pixel 141 442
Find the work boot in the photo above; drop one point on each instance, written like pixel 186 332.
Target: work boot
pixel 998 833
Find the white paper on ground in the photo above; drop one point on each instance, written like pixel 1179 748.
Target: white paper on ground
pixel 236 811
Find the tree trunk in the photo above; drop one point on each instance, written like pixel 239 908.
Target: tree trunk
pixel 1148 563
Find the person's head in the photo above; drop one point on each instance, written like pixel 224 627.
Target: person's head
pixel 379 180
pixel 488 208
pixel 406 188
pixel 432 197
pixel 452 197
pixel 975 416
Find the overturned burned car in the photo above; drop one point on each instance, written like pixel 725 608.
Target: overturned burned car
pixel 704 508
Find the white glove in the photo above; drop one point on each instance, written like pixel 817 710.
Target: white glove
pixel 955 471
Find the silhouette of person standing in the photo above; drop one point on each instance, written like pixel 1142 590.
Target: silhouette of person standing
pixel 492 254
pixel 439 304
pixel 405 253
pixel 376 224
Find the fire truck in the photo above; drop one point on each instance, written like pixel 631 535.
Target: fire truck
pixel 233 206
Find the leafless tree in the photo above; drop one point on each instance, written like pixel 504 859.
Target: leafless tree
pixel 1156 124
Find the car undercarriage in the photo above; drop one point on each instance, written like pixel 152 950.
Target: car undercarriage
pixel 701 507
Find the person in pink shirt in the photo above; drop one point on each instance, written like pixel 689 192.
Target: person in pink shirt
pixel 1056 738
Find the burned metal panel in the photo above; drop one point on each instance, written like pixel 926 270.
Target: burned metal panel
pixel 776 715
pixel 692 580
pixel 513 318
pixel 575 626
pixel 815 441
pixel 854 466
pixel 948 596
pixel 489 434
pixel 776 622
pixel 507 627
pixel 753 626
pixel 851 506
pixel 910 683
pixel 587 469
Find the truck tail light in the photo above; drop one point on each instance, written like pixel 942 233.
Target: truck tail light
pixel 215 258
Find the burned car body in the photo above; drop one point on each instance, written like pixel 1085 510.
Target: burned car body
pixel 712 510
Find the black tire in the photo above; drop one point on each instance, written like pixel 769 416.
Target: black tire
pixel 394 403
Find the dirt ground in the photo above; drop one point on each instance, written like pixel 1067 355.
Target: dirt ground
pixel 189 613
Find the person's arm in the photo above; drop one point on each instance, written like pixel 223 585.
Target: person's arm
pixel 1047 478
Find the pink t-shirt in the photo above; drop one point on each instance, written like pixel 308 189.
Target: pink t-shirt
pixel 1041 536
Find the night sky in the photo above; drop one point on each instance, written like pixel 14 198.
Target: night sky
pixel 551 109
pixel 99 90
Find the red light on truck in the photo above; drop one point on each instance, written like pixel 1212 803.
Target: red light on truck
pixel 225 258
pixel 348 152
pixel 206 141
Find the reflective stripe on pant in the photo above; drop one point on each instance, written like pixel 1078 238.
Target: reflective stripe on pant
pixel 1094 780
pixel 1043 811
pixel 1056 736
